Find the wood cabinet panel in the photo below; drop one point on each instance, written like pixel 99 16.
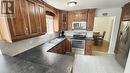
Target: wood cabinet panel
pixel 28 20
pixel 63 21
pixel 41 19
pixel 60 48
pixel 126 12
pixel 90 19
pixel 70 20
pixel 17 24
pixel 68 45
pixel 31 8
pixel 82 15
pixel 88 47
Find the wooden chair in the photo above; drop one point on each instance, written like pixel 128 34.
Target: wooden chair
pixel 100 38
pixel 95 37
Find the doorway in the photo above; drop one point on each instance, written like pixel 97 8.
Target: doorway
pixel 103 26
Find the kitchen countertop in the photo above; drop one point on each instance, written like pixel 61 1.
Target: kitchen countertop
pixel 38 60
pixel 96 64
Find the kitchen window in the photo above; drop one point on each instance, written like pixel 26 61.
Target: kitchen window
pixel 50 24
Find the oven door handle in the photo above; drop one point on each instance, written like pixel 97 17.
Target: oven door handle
pixel 77 40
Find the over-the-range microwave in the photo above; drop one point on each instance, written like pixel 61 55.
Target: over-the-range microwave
pixel 79 25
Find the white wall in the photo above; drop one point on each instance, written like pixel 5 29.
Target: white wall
pixel 102 24
pixel 15 48
pixel 112 12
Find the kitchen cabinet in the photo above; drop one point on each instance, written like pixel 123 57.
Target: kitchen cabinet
pixel 17 24
pixel 33 25
pixel 68 45
pixel 63 21
pixel 41 19
pixel 70 19
pixel 36 16
pixel 59 48
pixel 88 47
pixel 90 19
pixel 126 12
pixel 82 15
pixel 27 21
pixel 75 16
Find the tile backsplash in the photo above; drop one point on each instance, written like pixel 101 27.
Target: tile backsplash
pixel 15 48
pixel 87 33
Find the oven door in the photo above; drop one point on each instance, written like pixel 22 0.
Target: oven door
pixel 76 43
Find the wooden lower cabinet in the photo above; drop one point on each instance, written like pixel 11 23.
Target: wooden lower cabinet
pixel 68 45
pixel 88 47
pixel 62 47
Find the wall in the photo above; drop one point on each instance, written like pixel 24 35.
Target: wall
pixel 102 24
pixel 112 12
pixel 0 35
pixel 21 46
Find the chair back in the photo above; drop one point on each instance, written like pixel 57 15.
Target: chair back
pixel 103 34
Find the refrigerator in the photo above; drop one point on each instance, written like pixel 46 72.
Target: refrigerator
pixel 123 43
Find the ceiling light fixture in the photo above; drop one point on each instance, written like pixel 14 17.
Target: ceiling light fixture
pixel 72 3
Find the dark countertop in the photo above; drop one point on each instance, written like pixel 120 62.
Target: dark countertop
pixel 37 60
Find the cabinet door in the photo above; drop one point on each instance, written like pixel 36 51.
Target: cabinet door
pixel 88 47
pixel 17 25
pixel 90 19
pixel 63 47
pixel 41 19
pixel 126 12
pixel 80 15
pixel 31 9
pixel 63 20
pixel 68 45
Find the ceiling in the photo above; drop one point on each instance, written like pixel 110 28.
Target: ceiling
pixel 83 4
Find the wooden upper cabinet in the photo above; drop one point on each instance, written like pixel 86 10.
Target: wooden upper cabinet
pixel 80 15
pixel 70 19
pixel 126 12
pixel 41 19
pixel 17 25
pixel 33 24
pixel 63 24
pixel 28 21
pixel 90 19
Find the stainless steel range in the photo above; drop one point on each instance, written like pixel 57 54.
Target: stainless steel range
pixel 78 43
